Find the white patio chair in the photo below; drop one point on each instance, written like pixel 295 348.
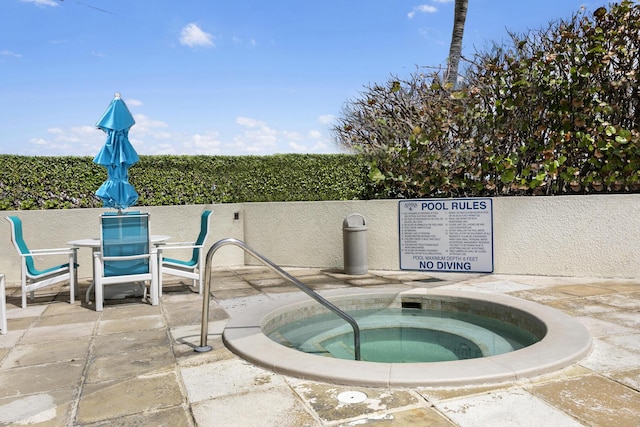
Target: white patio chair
pixel 192 268
pixel 126 255
pixel 32 278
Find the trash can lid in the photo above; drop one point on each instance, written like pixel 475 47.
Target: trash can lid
pixel 354 221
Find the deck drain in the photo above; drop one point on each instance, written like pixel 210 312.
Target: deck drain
pixel 429 280
pixel 352 397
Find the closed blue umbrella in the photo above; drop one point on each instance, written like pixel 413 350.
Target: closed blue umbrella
pixel 117 155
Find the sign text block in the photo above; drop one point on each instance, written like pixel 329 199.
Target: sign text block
pixel 453 235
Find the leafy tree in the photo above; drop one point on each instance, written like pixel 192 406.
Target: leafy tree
pixel 555 112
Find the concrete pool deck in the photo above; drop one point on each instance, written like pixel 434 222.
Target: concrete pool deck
pixel 134 364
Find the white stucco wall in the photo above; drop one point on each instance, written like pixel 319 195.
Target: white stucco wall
pixel 54 228
pixel 310 233
pixel 557 236
pixel 568 235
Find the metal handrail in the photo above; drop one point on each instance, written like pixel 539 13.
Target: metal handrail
pixel 207 285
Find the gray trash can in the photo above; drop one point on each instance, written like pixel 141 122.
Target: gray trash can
pixel 354 241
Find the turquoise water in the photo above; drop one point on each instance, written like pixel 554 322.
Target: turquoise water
pixel 404 336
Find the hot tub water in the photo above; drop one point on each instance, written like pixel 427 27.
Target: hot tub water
pixel 405 335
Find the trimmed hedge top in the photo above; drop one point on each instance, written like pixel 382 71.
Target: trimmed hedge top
pixel 70 182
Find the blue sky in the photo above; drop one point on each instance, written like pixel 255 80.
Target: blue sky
pixel 222 77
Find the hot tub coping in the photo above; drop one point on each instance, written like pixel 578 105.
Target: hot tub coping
pixel 565 342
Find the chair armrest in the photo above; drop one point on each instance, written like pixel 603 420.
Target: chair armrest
pixel 127 257
pixel 54 251
pixel 180 245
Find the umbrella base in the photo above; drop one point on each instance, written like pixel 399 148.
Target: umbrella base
pixel 123 290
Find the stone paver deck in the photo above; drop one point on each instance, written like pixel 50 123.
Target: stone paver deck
pixel 134 364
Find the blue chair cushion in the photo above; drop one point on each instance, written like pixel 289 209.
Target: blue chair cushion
pixel 189 263
pixel 123 235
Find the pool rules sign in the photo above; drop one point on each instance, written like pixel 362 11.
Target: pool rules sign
pixel 452 235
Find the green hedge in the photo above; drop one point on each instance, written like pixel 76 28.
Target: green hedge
pixel 70 182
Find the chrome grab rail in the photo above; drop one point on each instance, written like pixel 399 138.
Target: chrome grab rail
pixel 203 347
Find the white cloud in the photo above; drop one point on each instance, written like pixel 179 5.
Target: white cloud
pixel 326 119
pixel 155 137
pixel 86 140
pixel 38 141
pixel 247 122
pixel 42 2
pixel 134 102
pixel 207 143
pixel 165 148
pixel 322 146
pixel 314 134
pixel 259 138
pixel 78 141
pixel 76 134
pixel 291 135
pixel 300 148
pixel 45 147
pixel 256 137
pixel 319 146
pixel 423 8
pixel 10 53
pixel 321 142
pixel 241 42
pixel 191 35
pixel 145 125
